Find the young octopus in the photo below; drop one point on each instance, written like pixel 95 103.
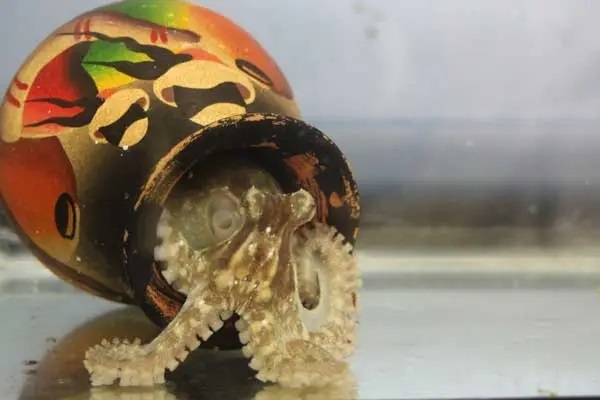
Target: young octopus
pixel 233 242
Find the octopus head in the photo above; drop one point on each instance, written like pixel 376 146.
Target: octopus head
pixel 234 237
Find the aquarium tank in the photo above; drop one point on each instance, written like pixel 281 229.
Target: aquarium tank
pixel 346 199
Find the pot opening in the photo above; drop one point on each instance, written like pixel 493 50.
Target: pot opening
pixel 204 207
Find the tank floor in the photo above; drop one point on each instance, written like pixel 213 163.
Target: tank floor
pixel 432 335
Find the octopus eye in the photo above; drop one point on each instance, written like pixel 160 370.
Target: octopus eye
pixel 224 216
pixel 205 220
pixel 65 216
pixel 254 72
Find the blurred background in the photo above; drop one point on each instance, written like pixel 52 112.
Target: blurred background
pixel 469 124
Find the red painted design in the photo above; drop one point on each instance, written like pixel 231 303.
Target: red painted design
pixel 82 29
pixel 164 37
pixel 33 174
pixel 53 81
pixel 159 34
pixel 13 100
pixel 154 36
pixel 77 30
pixel 87 28
pixel 200 54
pixel 21 85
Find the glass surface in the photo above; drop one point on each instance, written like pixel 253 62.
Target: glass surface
pixel 472 129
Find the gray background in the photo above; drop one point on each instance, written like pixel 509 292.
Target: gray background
pixel 394 58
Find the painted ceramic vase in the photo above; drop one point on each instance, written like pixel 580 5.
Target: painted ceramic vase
pixel 116 106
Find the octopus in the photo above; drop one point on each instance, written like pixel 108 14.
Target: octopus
pixel 233 242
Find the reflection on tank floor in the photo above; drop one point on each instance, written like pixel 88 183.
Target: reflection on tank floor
pixel 425 335
pixel 216 374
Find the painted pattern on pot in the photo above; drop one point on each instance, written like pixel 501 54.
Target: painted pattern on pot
pixel 115 107
pixel 120 75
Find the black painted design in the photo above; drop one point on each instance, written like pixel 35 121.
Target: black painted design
pixel 162 59
pixel 191 101
pixel 65 216
pixel 89 105
pixel 114 132
pixel 253 71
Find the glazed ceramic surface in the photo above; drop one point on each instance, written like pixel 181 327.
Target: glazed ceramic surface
pixel 115 106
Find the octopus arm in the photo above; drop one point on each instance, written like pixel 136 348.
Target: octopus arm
pixel 295 293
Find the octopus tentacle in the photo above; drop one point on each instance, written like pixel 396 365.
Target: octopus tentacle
pixel 333 322
pixel 134 364
pixel 297 347
pixel 175 257
pixel 294 288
